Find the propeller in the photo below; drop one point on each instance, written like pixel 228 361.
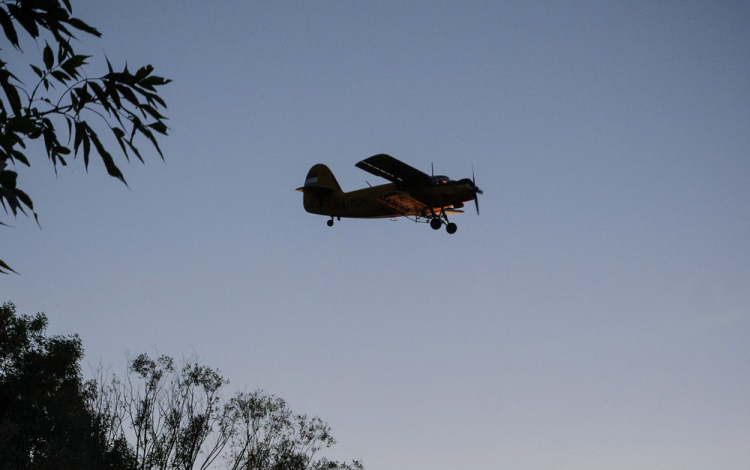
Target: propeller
pixel 476 189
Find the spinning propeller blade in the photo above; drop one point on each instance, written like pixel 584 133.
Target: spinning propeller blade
pixel 475 189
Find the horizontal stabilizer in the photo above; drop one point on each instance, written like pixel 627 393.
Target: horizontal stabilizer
pixel 314 190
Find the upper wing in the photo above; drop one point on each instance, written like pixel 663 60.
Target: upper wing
pixel 393 170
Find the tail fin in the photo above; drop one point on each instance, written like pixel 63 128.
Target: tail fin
pixel 319 180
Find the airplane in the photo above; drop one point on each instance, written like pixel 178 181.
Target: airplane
pixel 411 193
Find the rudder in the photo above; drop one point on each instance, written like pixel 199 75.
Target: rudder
pixel 320 179
pixel 321 189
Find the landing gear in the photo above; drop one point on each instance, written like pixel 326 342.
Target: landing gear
pixel 439 219
pixel 330 222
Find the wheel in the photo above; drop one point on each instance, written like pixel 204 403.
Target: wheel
pixel 451 228
pixel 330 223
pixel 435 223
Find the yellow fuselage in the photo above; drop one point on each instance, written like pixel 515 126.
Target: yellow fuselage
pixel 368 202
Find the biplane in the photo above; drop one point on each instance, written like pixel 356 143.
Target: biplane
pixel 410 193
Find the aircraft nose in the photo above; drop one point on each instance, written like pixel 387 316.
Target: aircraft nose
pixel 476 190
pixel 472 186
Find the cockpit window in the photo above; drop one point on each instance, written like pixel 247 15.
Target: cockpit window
pixel 439 179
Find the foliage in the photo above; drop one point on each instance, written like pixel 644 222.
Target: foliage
pixel 64 102
pixel 177 419
pixel 168 414
pixel 45 419
pixel 267 435
pixel 156 417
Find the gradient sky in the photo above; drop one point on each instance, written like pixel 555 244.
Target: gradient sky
pixel 595 316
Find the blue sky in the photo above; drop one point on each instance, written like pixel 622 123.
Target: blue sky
pixel 595 316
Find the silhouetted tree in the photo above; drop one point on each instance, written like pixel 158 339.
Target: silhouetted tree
pixel 176 418
pixel 45 418
pixel 63 102
pixel 168 414
pixel 266 435
pixel 155 417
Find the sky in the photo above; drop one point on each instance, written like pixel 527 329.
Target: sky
pixel 595 316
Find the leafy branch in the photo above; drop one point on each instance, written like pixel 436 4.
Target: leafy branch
pixel 127 103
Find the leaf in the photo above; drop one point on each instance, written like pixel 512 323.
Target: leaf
pixel 86 149
pixel 157 98
pixel 151 137
pixel 72 65
pixel 135 150
pixel 120 135
pixel 153 112
pixel 60 76
pixel 13 98
pixel 4 267
pixel 80 132
pixel 83 94
pixel 22 16
pixel 78 24
pixel 128 94
pixel 24 125
pixel 8 28
pixel 25 199
pixel 101 96
pixel 159 127
pixel 16 155
pixel 37 71
pixel 12 200
pixel 50 138
pixel 63 50
pixel 152 81
pixel 49 57
pixel 109 163
pixel 113 95
pixel 144 72
pixel 8 179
